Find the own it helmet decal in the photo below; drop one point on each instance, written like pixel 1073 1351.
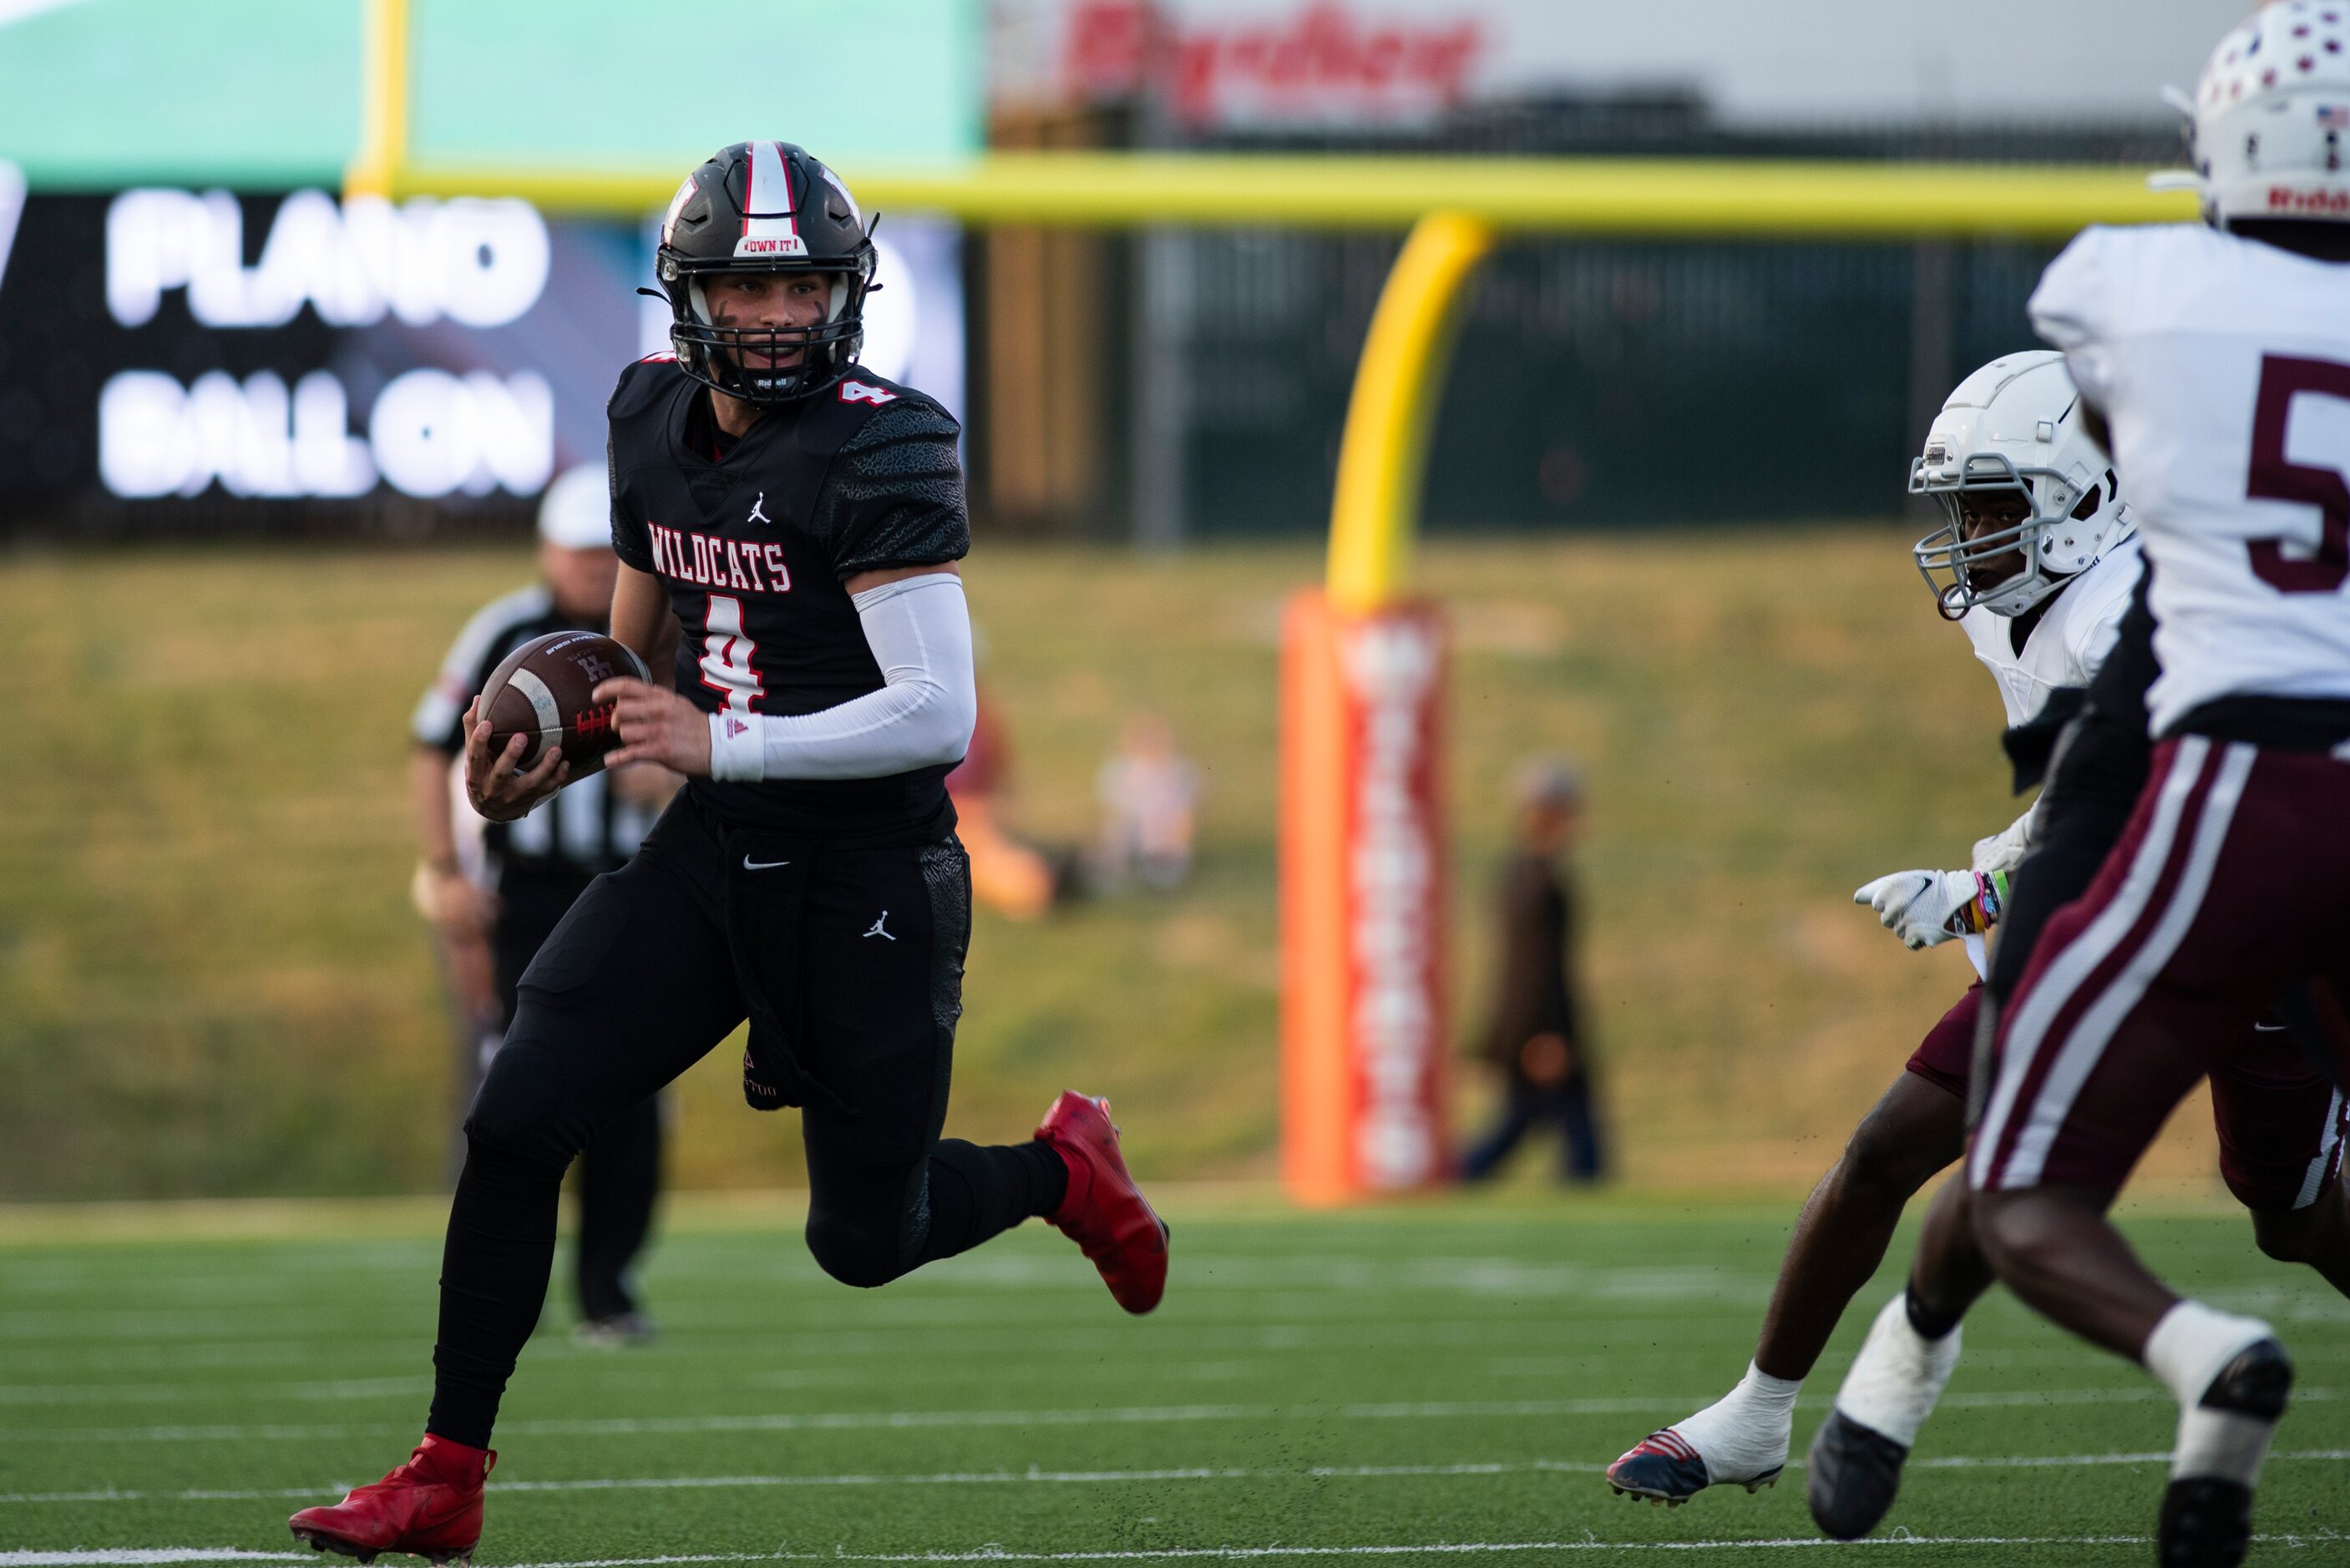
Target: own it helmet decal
pixel 767 227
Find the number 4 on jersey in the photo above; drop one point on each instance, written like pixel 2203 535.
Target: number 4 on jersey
pixel 728 658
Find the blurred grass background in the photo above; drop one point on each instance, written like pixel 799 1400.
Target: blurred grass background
pixel 212 983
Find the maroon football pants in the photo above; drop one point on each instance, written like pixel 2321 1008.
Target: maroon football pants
pixel 2231 884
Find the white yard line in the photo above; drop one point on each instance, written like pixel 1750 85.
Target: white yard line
pixel 38 1559
pixel 1039 1477
pixel 1433 1549
pixel 1148 1414
pixel 99 1558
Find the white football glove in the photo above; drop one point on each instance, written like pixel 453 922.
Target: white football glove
pixel 1921 908
pixel 2004 851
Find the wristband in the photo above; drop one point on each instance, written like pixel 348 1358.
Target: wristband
pixel 1982 912
pixel 738 752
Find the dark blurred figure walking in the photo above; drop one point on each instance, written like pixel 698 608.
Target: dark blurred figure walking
pixel 1536 1037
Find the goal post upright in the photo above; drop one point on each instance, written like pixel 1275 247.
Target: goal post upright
pixel 381 160
pixel 1362 833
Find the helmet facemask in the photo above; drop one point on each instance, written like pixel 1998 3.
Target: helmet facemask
pixel 1953 560
pixel 721 357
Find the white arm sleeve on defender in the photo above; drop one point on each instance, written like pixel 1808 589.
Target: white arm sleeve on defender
pixel 919 631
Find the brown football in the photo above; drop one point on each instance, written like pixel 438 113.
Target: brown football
pixel 544 690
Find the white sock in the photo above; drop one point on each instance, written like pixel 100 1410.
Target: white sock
pixel 1897 1376
pixel 1745 1433
pixel 2187 1350
pixel 2192 1343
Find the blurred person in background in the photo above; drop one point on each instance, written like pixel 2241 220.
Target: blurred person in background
pixel 1012 878
pixel 496 891
pixel 1149 792
pixel 1536 1037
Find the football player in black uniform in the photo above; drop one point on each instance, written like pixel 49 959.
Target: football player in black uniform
pixel 788 526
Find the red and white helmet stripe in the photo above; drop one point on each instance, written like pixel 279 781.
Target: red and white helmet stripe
pixel 767 203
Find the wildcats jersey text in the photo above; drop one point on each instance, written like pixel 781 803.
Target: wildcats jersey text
pixel 2222 366
pixel 753 542
pixel 709 562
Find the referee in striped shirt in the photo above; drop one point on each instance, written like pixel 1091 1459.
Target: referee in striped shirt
pixel 496 891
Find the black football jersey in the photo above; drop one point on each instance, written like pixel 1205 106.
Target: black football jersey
pixel 754 545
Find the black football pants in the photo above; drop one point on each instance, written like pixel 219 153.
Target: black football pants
pixel 619 1173
pixel 849 963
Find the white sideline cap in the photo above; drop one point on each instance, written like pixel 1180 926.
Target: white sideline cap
pixel 576 509
pixel 1548 781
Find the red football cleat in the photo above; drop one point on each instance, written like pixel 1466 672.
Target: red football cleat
pixel 431 1506
pixel 1104 1212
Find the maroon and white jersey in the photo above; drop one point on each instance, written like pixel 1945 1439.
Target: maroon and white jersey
pixel 2222 367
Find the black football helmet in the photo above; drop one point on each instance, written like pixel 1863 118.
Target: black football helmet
pixel 771 207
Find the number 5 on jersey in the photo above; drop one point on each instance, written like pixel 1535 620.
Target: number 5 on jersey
pixel 2276 477
pixel 728 658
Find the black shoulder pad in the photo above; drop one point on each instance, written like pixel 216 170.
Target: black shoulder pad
pixel 836 414
pixel 644 384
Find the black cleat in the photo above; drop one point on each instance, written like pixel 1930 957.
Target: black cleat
pixel 1853 1473
pixel 2207 1520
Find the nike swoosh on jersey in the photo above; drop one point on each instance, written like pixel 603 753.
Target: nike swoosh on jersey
pixel 751 865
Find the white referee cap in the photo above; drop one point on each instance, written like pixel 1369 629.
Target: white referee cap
pixel 576 509
pixel 1549 781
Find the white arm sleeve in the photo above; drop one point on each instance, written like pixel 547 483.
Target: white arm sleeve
pixel 919 631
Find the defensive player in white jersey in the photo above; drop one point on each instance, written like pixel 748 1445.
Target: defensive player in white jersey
pixel 2220 359
pixel 2036 564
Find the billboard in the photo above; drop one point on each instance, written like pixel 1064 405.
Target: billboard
pixel 266 94
pixel 175 360
pixel 1237 66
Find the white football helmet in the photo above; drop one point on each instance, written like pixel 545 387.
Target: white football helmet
pixel 2266 124
pixel 2009 444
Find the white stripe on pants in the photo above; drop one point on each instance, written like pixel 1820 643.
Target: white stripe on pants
pixel 2084 1046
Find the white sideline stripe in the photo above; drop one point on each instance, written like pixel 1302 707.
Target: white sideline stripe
pixel 1035 1477
pixel 36 1559
pixel 1431 1549
pixel 1168 1555
pixel 1148 1414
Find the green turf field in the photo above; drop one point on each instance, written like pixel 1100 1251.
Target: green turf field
pixel 1415 1384
pixel 211 984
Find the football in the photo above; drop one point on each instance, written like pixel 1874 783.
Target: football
pixel 545 691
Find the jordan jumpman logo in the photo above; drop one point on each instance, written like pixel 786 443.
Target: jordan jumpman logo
pixel 758 512
pixel 877 930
